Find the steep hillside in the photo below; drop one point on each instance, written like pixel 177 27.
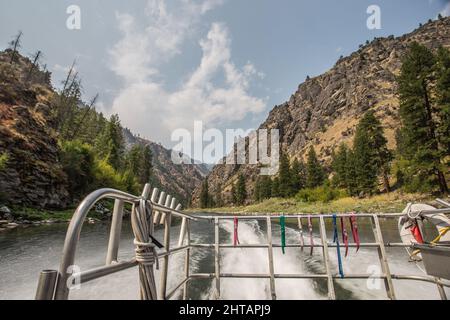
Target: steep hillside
pixel 33 175
pixel 326 109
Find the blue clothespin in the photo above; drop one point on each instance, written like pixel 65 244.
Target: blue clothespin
pixel 338 247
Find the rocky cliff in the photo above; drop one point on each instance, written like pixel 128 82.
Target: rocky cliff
pixel 326 109
pixel 33 175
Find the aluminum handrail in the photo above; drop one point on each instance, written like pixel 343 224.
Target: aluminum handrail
pixel 260 216
pixel 74 230
pixel 51 288
pixel 76 224
pixel 274 215
pixel 428 279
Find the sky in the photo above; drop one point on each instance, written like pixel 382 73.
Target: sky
pixel 162 65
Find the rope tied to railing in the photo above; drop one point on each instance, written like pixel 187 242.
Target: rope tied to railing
pixel 145 251
pixel 144 256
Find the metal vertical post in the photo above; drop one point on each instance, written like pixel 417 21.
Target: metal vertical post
pixel 165 264
pixel 326 258
pixel 187 259
pixel 162 198
pixel 167 205
pixel 46 285
pixel 300 228
pixel 114 236
pixel 383 257
pixel 270 251
pixel 183 228
pixel 153 200
pixel 182 232
pixel 217 257
pixel 441 289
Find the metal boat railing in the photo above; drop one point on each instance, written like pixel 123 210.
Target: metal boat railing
pixel 55 284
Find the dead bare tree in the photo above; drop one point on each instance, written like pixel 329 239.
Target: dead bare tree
pixel 69 76
pixel 68 98
pixel 15 45
pixel 35 64
pixel 83 118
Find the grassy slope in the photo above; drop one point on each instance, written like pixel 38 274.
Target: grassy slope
pixel 386 203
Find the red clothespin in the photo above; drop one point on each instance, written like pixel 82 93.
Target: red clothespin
pixel 354 226
pixel 236 235
pixel 344 236
pixel 310 227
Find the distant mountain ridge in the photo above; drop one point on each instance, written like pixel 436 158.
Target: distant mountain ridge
pixel 178 180
pixel 325 110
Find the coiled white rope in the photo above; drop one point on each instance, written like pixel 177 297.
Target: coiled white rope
pixel 145 251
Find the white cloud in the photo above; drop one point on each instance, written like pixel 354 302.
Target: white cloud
pixel 446 11
pixel 146 106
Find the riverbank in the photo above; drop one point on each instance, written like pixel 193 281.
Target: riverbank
pixel 14 217
pixel 394 202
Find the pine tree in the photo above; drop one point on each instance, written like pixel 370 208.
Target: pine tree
pixel 284 175
pixel 443 99
pixel 366 175
pixel 241 193
pixel 339 165
pixel 350 173
pixel 263 188
pixel 139 163
pixel 257 191
pixel 110 144
pixel 266 187
pixel 146 165
pixel 298 173
pixel 419 128
pixel 219 200
pixel 233 194
pixel 315 173
pixel 371 155
pixel 204 195
pixel 134 157
pixel 275 190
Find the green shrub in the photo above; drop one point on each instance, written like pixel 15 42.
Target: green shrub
pixel 77 160
pixel 130 182
pixel 4 157
pixel 320 194
pixel 106 177
pixel 86 172
pixel 412 181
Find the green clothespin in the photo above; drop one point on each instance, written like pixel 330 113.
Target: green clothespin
pixel 283 233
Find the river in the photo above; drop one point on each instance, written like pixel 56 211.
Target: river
pixel 24 252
